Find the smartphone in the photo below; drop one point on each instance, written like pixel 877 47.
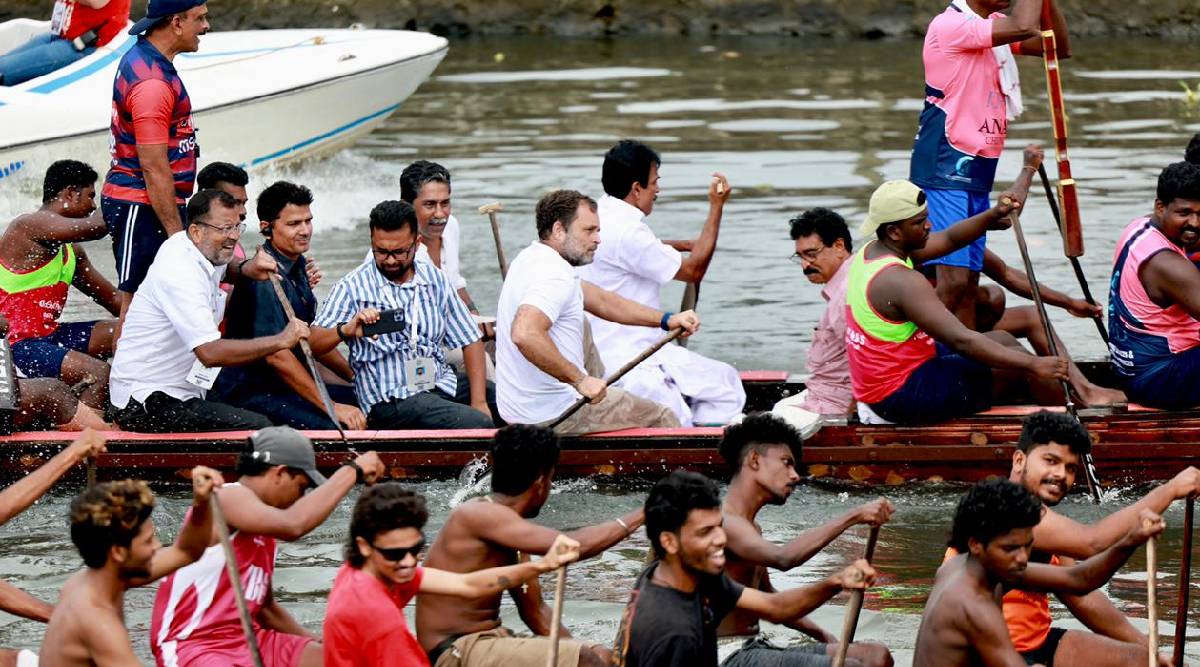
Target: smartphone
pixel 390 321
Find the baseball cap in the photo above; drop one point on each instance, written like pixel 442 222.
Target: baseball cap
pixel 892 202
pixel 285 446
pixel 160 10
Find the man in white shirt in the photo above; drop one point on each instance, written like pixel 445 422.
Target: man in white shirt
pixel 540 328
pixel 634 263
pixel 170 349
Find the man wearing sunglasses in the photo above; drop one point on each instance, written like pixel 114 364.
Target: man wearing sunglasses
pixel 195 621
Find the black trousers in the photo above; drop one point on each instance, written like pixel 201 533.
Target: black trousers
pixel 161 413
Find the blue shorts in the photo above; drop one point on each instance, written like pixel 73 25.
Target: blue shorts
pixel 947 386
pixel 43 357
pixel 1168 385
pixel 136 235
pixel 947 207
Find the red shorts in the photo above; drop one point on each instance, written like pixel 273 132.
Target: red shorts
pixel 278 649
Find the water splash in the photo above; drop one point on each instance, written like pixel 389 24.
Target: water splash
pixel 474 480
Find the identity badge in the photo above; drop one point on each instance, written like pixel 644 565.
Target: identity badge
pixel 202 376
pixel 420 374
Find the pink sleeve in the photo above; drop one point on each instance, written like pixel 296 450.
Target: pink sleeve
pixel 150 104
pixel 967 34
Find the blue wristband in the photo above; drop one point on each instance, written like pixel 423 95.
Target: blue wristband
pixel 662 324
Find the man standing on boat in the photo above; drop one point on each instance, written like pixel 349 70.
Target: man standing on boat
pixel 495 531
pixel 762 451
pixel 279 495
pixel 972 91
pixel 77 29
pixel 154 147
pixel 631 262
pixel 40 259
pixel 540 353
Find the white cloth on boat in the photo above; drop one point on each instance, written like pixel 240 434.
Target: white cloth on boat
pixel 541 278
pixel 1010 74
pixel 175 310
pixel 867 416
pixel 791 410
pixel 633 262
pixel 451 242
pixel 27 658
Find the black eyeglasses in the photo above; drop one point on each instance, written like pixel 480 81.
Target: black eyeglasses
pixel 399 253
pixel 397 554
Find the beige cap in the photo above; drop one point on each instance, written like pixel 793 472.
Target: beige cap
pixel 892 202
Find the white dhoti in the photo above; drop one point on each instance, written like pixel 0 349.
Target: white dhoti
pixel 697 389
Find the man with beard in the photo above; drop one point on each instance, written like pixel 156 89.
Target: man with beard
pixel 762 451
pixel 680 598
pixel 401 377
pixel 170 350
pixel 911 360
pixel 1154 297
pixel 111 527
pixel 1046 463
pixel 280 386
pixel 540 328
pixel 993 537
pixel 496 531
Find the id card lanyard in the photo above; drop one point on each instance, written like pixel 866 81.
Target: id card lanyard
pixel 420 373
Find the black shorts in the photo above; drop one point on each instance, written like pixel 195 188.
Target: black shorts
pixel 136 236
pixel 944 387
pixel 1044 654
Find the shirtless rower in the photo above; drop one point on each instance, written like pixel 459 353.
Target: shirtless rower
pixel 993 533
pixel 494 531
pixel 112 528
pixel 762 450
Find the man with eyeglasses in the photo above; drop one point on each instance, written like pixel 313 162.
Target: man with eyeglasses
pixel 401 376
pixel 170 351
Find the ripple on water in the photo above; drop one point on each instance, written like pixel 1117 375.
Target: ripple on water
pixel 775 125
pixel 580 74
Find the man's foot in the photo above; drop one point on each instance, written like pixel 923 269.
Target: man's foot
pixel 1096 396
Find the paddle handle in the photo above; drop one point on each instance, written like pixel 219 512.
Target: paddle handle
pixel 854 606
pixel 490 210
pixel 235 578
pixel 1185 583
pixel 691 295
pixel 560 589
pixel 1152 599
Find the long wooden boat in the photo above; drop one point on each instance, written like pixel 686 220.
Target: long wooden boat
pixel 1132 445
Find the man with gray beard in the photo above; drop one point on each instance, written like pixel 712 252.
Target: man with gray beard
pixel 540 328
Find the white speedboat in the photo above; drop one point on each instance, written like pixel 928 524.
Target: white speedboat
pixel 258 96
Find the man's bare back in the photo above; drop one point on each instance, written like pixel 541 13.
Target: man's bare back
pixel 88 622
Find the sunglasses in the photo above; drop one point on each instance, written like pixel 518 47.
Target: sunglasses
pixel 397 554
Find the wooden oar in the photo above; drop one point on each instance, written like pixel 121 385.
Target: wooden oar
pixel 1075 265
pixel 313 369
pixel 1152 599
pixel 560 589
pixel 1185 584
pixel 490 211
pixel 1089 465
pixel 691 291
pixel 610 380
pixel 235 578
pixel 1072 230
pixel 854 607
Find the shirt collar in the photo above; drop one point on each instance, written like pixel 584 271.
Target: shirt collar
pixel 622 208
pixel 286 266
pixel 421 268
pixel 191 248
pixel 837 281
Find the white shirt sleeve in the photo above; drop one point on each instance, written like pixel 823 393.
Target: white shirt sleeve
pixel 550 294
pixel 188 307
pixel 641 253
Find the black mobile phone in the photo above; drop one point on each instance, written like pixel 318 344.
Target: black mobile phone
pixel 390 321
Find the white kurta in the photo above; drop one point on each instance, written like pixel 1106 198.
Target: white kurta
pixel 634 263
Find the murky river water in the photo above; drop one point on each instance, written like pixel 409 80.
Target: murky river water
pixel 794 124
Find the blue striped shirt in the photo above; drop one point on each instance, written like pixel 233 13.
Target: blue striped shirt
pixel 428 300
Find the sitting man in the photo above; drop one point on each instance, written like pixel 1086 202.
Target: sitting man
pixel 170 350
pixel 631 262
pixel 993 537
pixel 77 29
pixel 280 387
pixel 540 328
pixel 39 404
pixel 1154 297
pixel 762 451
pixel 40 259
pixel 681 597
pixel 894 317
pixel 402 378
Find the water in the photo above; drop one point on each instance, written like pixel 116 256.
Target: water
pixel 794 124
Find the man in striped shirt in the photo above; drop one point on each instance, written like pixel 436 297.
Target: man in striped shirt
pixel 402 378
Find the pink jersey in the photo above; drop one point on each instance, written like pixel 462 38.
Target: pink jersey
pixel 195 610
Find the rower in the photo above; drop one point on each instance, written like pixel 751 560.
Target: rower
pixel 911 360
pixel 762 450
pixel 972 91
pixel 991 541
pixel 1154 297
pixel 364 622
pixel 632 262
pixel 41 403
pixel 40 259
pixel 681 597
pixel 77 29
pixel 280 387
pixel 540 341
pixel 1046 462
pixel 112 528
pixel 496 531
pixel 195 621
pixel 170 350
pixel 401 376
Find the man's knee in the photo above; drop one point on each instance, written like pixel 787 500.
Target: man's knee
pixel 870 654
pixel 594 656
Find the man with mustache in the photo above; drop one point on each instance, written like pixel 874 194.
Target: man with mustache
pixel 991 541
pixel 280 386
pixel 540 353
pixel 170 350
pixel 762 450
pixel 1154 297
